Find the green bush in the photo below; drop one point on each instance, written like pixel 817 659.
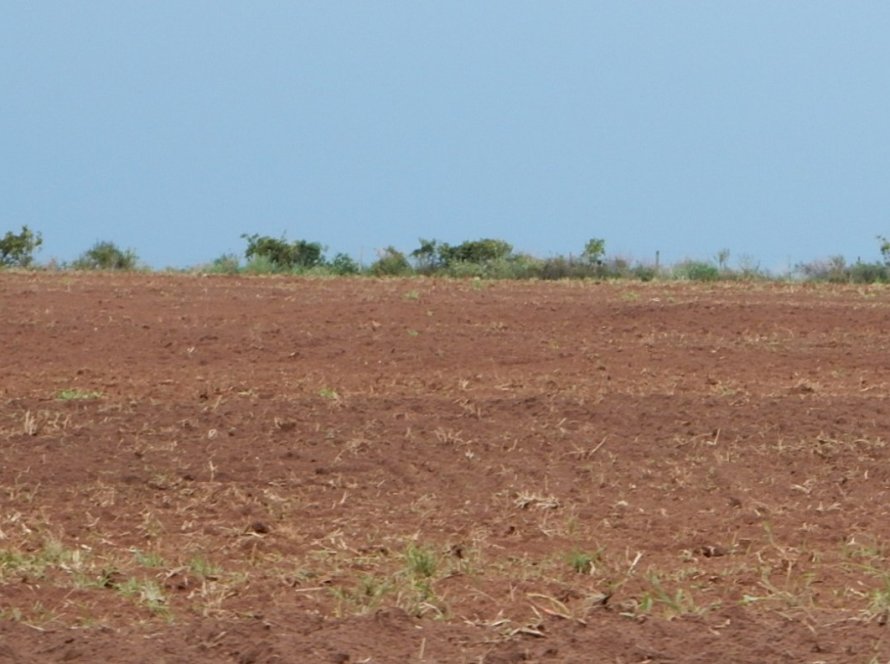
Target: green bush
pixel 225 264
pixel 343 264
pixel 475 251
pixel 617 268
pixel 261 265
pixel 644 272
pixel 560 267
pixel 833 269
pixel 696 271
pixel 519 266
pixel 106 256
pixel 391 263
pixel 281 255
pixel 868 273
pixel 472 258
pixel 17 250
pixel 749 269
pixel 427 257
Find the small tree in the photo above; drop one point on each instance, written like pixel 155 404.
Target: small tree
pixel 17 250
pixel 106 256
pixel 594 251
pixel 885 249
pixel 426 257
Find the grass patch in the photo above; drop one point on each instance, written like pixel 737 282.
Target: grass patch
pixel 583 562
pixel 78 395
pixel 421 561
pixel 147 592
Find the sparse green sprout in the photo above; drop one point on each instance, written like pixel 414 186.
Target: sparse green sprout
pixel 201 567
pixel 421 561
pixel 677 603
pixel 148 559
pixel 880 600
pixel 366 596
pixel 583 562
pixel 372 589
pixel 145 591
pixel 78 395
pixel 329 393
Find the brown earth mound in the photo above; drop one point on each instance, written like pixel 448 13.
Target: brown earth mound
pixel 286 470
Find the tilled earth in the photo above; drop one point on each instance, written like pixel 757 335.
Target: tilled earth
pixel 216 469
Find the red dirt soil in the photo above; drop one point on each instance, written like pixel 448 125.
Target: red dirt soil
pixel 216 469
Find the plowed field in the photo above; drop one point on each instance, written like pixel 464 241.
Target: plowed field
pixel 214 469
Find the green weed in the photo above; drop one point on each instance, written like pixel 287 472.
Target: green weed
pixel 77 395
pixel 149 559
pixel 422 562
pixel 200 566
pixel 583 562
pixel 147 592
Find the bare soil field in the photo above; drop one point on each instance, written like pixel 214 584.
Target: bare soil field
pixel 253 470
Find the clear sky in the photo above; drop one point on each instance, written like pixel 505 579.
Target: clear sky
pixel 172 127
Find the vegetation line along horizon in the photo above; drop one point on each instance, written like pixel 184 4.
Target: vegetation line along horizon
pixel 485 258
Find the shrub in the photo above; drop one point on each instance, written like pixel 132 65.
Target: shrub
pixel 391 263
pixel 464 270
pixel 833 269
pixel 472 258
pixel 343 264
pixel 474 251
pixel 644 272
pixel 427 257
pixel 560 267
pixel 106 256
pixel 867 273
pixel 225 264
pixel 749 269
pixel 519 266
pixel 284 256
pixel 261 265
pixel 17 250
pixel 696 271
pixel 617 268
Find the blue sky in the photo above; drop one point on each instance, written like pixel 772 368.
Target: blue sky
pixel 172 127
